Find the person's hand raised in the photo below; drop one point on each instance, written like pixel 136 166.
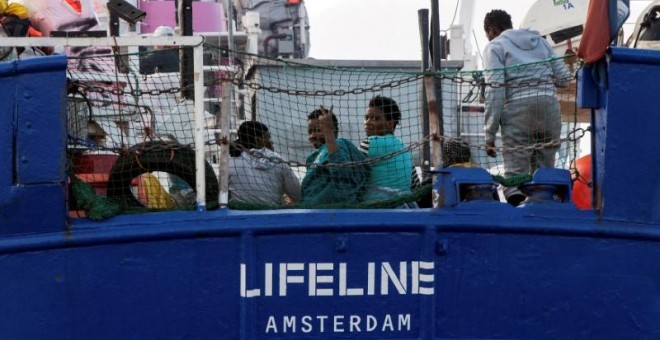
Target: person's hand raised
pixel 325 120
pixel 328 129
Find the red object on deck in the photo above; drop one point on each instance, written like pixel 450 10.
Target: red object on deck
pixel 75 5
pixel 94 169
pixel 582 192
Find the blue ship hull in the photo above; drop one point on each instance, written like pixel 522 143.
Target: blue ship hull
pixel 468 270
pixel 497 275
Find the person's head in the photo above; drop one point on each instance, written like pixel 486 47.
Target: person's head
pixel 252 135
pixel 163 31
pixel 496 22
pixel 314 133
pixel 455 152
pixel 382 116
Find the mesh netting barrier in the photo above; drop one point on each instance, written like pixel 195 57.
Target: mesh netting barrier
pixel 305 135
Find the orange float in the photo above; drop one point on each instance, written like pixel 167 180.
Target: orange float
pixel 582 183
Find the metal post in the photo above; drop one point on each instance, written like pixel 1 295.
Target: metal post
pixel 423 20
pixel 224 143
pixel 200 168
pixel 186 25
pixel 113 24
pixel 303 30
pixel 437 56
pixel 230 27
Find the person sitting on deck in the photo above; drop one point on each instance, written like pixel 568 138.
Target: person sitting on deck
pixel 390 176
pixel 456 153
pixel 326 180
pixel 253 176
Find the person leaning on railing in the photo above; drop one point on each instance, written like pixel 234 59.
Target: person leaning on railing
pixel 524 103
pixel 336 171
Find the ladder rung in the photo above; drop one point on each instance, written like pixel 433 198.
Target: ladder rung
pixel 227 68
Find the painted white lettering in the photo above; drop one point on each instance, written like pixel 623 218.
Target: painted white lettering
pixel 244 291
pixel 343 290
pixel 414 273
pixel 330 279
pixel 426 279
pixel 268 279
pixel 338 324
pixel 314 279
pixel 289 322
pixel 285 278
pixel 271 325
pixel 372 323
pixel 306 325
pixel 387 323
pixel 322 319
pixel 354 322
pixel 371 278
pixel 387 274
pixel 404 321
pixel 311 280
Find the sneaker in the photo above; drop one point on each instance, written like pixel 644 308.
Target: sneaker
pixel 514 196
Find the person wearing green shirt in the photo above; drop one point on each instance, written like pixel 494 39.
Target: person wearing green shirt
pixel 391 175
pixel 329 179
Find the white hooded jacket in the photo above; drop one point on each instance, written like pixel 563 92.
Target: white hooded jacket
pixel 519 56
pixel 256 179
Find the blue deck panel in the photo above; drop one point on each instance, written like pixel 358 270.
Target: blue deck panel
pixel 626 149
pixel 32 145
pixel 7 129
pixel 40 121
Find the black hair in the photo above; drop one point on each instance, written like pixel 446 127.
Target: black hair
pixel 15 26
pixel 248 133
pixel 317 113
pixel 455 152
pixel 388 106
pixel 498 19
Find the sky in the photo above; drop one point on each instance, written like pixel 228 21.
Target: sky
pixel 388 29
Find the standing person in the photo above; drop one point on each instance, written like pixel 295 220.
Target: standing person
pixel 525 114
pixel 325 184
pixel 255 178
pixel 390 176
